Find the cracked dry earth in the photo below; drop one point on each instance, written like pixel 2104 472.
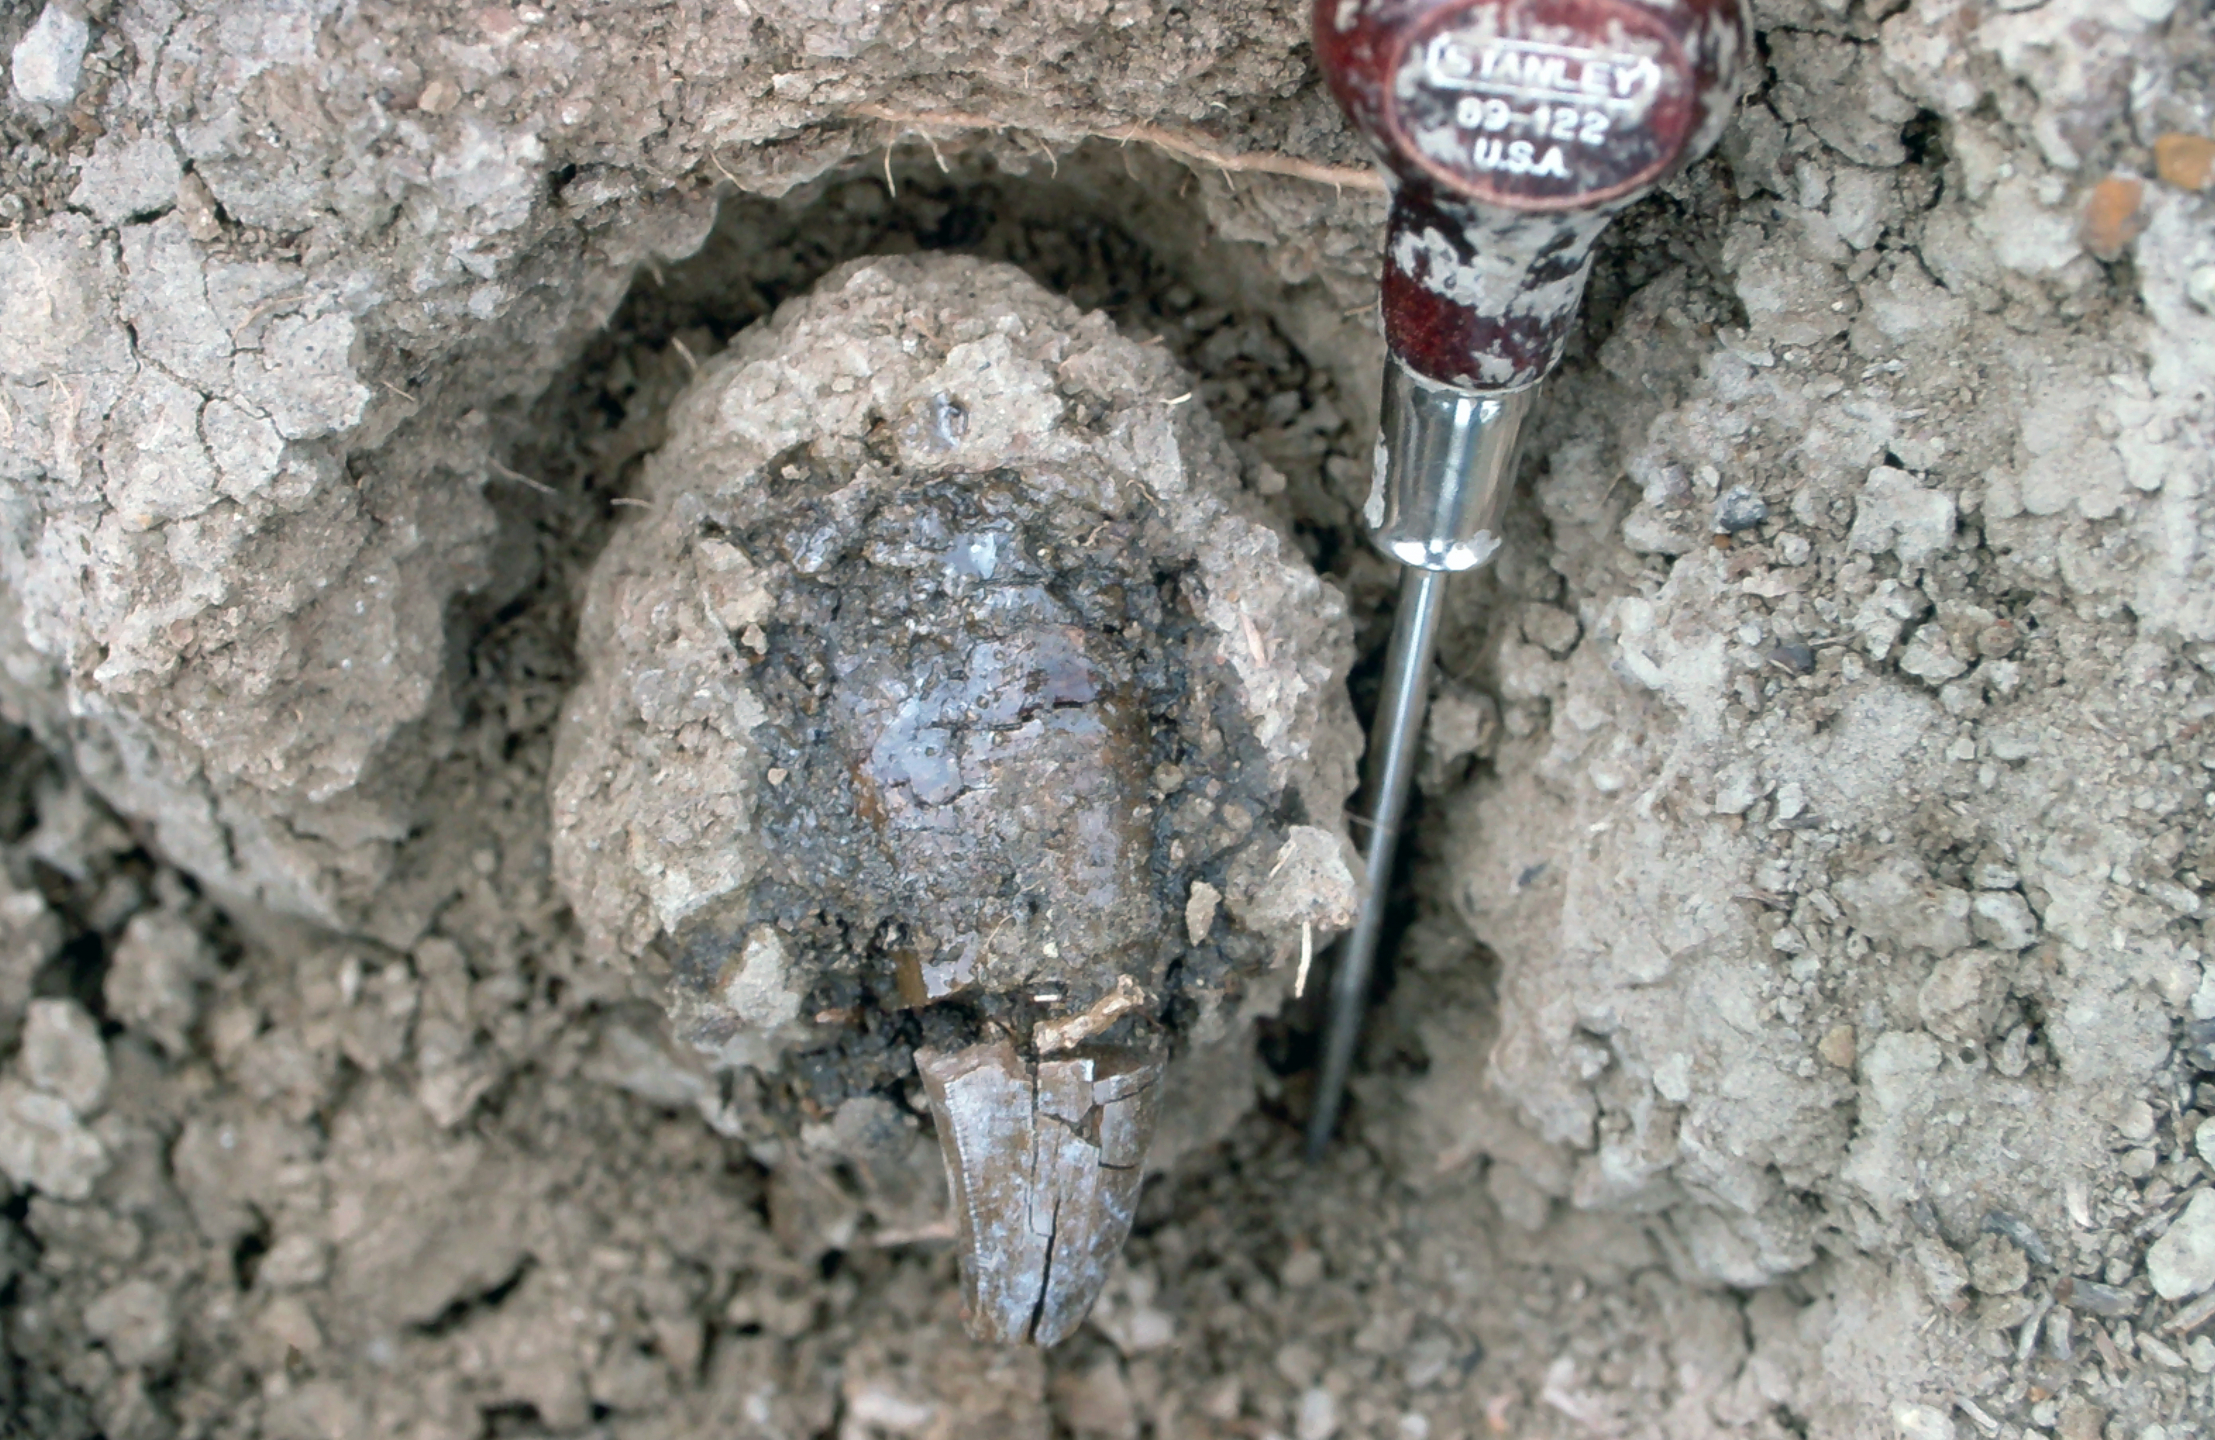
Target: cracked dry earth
pixel 1801 1024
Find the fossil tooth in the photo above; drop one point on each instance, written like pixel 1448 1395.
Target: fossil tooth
pixel 1044 1163
pixel 948 663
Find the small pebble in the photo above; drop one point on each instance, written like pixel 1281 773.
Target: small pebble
pixel 2014 1056
pixel 2185 161
pixel 1943 1273
pixel 2199 287
pixel 1298 1363
pixel 63 1056
pixel 49 61
pixel 2182 1262
pixel 2107 1301
pixel 134 1321
pixel 1199 911
pixel 1318 1418
pixel 293 1263
pixel 196 208
pixel 2113 215
pixel 2199 1044
pixel 1996 1267
pixel 1999 1222
pixel 2003 919
pixel 1992 875
pixel 1921 1422
pixel 1739 509
pixel 1551 628
pixel 42 1146
pixel 1426 1360
pixel 438 97
pixel 1301 1269
pixel 1894 512
pixel 1998 640
pixel 1668 488
pixel 1794 657
pixel 127 177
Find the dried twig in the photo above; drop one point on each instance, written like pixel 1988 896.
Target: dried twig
pixel 1254 642
pixel 1190 147
pixel 522 479
pixel 270 306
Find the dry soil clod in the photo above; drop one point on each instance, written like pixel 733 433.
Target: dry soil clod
pixel 935 589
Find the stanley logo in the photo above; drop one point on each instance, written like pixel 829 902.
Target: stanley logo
pixel 1527 70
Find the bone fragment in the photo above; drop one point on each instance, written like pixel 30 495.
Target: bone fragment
pixel 1055 1036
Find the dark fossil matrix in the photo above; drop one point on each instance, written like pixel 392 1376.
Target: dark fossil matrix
pixel 969 685
pixel 950 673
pixel 951 712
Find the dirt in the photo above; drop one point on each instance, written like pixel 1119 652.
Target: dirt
pixel 1798 1023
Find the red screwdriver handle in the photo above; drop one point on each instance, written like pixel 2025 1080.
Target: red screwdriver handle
pixel 1517 128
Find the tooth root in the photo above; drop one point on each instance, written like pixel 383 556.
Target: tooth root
pixel 1044 1163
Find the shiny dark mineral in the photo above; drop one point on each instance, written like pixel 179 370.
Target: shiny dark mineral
pixel 968 690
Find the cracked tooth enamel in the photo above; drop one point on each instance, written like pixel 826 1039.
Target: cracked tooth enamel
pixel 1044 1162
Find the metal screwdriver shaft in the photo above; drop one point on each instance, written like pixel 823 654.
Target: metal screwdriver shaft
pixel 1449 459
pixel 1513 130
pixel 1391 765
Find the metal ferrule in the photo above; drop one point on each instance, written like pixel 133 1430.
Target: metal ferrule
pixel 1445 461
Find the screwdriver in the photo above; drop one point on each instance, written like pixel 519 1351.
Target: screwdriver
pixel 1512 132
